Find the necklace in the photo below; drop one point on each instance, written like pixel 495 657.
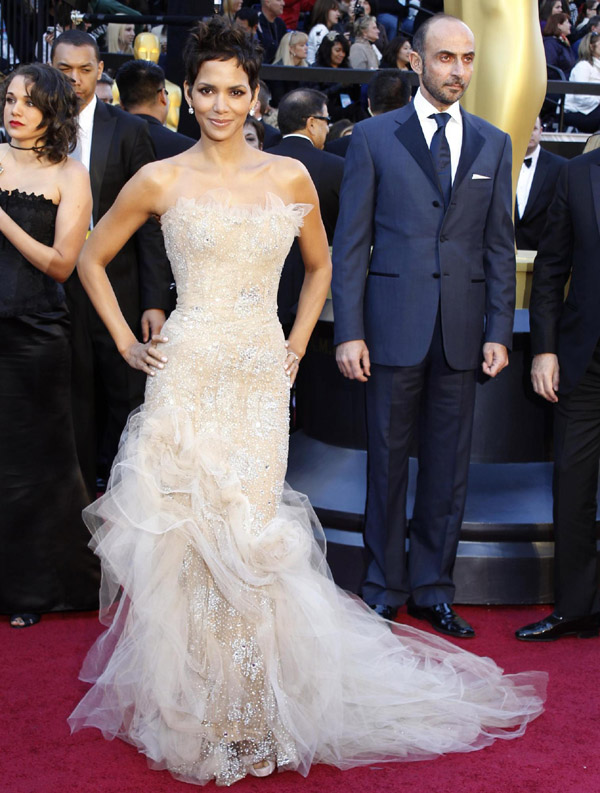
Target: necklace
pixel 25 148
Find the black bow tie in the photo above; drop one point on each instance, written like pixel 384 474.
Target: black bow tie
pixel 528 161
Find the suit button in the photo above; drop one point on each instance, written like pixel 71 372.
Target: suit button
pixel 446 275
pixel 443 239
pixel 436 275
pixel 436 204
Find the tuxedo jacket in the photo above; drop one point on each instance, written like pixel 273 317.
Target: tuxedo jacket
pixel 139 273
pixel 399 257
pixel 166 142
pixel 326 171
pixel 529 227
pixel 570 248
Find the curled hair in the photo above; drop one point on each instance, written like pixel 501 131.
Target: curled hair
pixel 218 39
pixel 54 97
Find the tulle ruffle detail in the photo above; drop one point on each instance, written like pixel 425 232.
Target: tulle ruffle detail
pixel 228 643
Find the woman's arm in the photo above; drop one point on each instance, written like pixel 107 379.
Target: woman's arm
pixel 72 222
pixel 317 271
pixel 136 202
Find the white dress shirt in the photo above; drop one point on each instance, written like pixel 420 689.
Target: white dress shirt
pixel 454 127
pixel 526 180
pixel 84 138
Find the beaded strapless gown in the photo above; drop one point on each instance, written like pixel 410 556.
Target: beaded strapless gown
pixel 229 642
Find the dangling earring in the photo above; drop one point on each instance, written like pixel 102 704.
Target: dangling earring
pixel 191 110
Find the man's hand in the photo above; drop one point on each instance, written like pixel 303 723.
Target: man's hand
pixel 545 375
pixel 495 358
pixel 353 360
pixel 152 321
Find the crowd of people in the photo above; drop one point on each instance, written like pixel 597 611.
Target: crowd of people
pixel 165 361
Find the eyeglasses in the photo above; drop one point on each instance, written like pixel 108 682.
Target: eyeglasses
pixel 322 118
pixel 163 89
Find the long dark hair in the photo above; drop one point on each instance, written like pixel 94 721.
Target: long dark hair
pixel 54 97
pixel 324 52
pixel 219 40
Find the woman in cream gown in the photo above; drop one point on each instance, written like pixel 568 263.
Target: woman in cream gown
pixel 229 649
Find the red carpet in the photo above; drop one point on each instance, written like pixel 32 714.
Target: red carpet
pixel 559 754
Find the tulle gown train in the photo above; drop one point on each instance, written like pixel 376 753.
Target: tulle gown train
pixel 229 642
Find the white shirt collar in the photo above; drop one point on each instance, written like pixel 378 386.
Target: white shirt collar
pixel 86 117
pixel 424 109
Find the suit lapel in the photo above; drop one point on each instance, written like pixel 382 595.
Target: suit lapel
pixel 472 144
pixel 102 132
pixel 410 135
pixel 538 180
pixel 595 180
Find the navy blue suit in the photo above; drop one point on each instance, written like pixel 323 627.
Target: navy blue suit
pixel 436 285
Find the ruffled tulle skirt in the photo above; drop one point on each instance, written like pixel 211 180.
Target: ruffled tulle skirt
pixel 227 641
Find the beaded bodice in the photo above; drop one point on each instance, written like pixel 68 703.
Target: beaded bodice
pixel 227 258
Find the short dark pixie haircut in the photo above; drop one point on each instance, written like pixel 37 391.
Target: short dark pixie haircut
pixel 297 107
pixel 139 83
pixel 54 97
pixel 76 38
pixel 218 39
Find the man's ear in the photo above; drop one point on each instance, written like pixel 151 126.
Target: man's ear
pixel 416 62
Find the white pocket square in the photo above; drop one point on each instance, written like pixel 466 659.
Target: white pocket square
pixel 480 176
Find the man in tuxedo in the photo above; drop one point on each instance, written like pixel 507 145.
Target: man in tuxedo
pixel 565 341
pixel 304 123
pixel 423 285
pixel 142 92
pixel 113 145
pixel 535 190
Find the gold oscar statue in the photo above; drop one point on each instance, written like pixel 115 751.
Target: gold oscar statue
pixel 146 47
pixel 509 80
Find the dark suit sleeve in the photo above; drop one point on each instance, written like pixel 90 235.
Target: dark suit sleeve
pixel 353 239
pixel 551 271
pixel 499 255
pixel 154 269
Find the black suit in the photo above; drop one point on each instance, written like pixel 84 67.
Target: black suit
pixel 105 388
pixel 272 135
pixel 529 227
pixel 326 171
pixel 166 142
pixel 571 329
pixel 339 146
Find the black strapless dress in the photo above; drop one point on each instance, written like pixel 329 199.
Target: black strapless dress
pixel 45 564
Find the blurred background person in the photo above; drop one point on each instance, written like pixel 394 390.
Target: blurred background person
pixel 587 11
pixel 45 206
pixel 324 17
pixel 536 187
pixel 271 27
pixel 254 133
pixel 397 54
pixel 343 99
pixel 248 19
pixel 363 52
pixel 557 46
pixel 119 38
pixel 550 7
pixel 143 93
pixel 104 89
pixel 231 7
pixel 583 110
pixel 263 110
pixel 292 51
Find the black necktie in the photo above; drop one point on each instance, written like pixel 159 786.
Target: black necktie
pixel 440 152
pixel 528 161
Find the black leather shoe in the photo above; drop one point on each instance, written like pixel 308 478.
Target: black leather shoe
pixel 443 619
pixel 554 627
pixel 387 612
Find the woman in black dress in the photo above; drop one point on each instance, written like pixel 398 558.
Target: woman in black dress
pixel 45 208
